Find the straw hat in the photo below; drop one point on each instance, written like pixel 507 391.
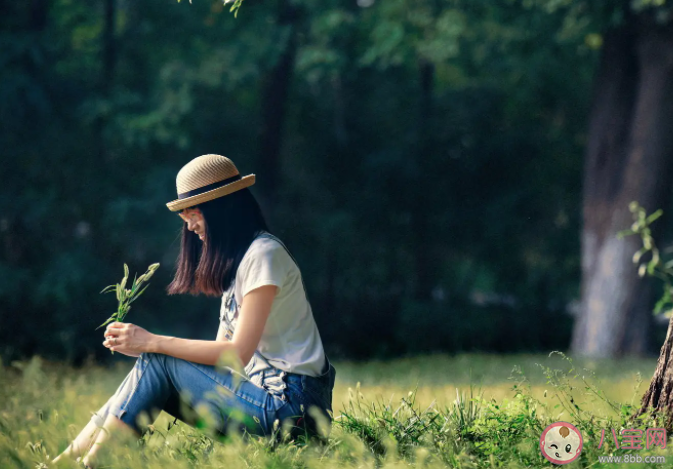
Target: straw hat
pixel 206 178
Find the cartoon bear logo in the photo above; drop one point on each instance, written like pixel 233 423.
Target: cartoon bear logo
pixel 561 443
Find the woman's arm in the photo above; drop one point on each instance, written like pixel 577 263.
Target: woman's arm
pixel 130 339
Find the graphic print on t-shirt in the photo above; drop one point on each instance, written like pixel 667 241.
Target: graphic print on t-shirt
pixel 229 315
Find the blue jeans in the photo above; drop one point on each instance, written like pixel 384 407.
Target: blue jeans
pixel 221 397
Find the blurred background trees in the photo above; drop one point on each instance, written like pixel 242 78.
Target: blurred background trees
pixel 424 161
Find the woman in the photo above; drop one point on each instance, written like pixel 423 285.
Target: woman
pixel 266 325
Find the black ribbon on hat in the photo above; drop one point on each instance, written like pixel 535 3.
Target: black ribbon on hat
pixel 209 187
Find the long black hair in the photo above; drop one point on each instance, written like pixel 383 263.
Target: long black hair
pixel 231 224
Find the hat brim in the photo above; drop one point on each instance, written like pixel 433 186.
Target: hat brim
pixel 181 204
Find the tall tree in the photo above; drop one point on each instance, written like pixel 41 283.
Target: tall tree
pixel 628 158
pixel 425 261
pixel 274 97
pixel 106 78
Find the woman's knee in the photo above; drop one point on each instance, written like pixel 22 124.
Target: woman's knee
pixel 153 359
pixel 164 364
pixel 147 356
pixel 159 357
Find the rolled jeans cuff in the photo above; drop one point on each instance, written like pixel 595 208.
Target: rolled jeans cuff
pixel 98 418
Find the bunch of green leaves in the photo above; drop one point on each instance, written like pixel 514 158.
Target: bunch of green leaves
pixel 126 296
pixel 655 266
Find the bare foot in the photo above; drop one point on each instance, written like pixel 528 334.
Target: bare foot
pixel 85 465
pixel 112 425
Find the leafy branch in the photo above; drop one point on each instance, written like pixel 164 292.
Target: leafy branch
pixel 655 267
pixel 234 8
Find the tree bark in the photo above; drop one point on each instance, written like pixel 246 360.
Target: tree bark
pixel 659 396
pixel 628 158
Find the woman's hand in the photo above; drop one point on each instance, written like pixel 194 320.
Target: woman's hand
pixel 128 339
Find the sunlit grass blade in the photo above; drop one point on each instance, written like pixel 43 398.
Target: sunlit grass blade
pixel 138 294
pixel 109 320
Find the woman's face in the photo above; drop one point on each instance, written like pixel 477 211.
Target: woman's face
pixel 195 221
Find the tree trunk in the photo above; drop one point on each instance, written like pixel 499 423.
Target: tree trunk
pixel 332 246
pixel 39 10
pixel 421 205
pixel 109 45
pixel 108 61
pixel 628 158
pixel 275 90
pixel 659 396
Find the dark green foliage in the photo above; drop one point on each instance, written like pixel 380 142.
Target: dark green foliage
pixel 428 179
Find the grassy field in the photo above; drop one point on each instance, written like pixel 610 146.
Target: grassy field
pixel 413 412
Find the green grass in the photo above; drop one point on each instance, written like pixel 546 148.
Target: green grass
pixel 467 411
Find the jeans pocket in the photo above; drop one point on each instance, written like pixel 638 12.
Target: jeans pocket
pixel 318 389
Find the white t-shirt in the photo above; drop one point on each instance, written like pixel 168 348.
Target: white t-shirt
pixel 290 340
